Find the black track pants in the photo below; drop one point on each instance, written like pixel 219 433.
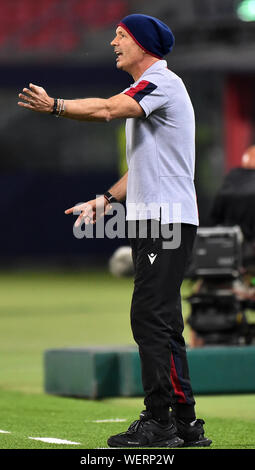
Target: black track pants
pixel 157 323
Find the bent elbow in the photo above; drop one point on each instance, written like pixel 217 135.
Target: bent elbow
pixel 108 117
pixel 109 111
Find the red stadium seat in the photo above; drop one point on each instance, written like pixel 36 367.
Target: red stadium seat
pixel 28 24
pixel 98 13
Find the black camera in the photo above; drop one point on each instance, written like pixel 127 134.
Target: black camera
pixel 217 253
pixel 217 312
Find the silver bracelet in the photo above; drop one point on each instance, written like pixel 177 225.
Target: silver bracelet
pixel 60 107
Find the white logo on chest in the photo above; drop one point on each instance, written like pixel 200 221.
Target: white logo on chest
pixel 152 257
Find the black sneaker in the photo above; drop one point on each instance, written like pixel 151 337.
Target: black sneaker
pixel 147 432
pixel 192 433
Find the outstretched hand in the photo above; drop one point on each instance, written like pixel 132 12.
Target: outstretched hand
pixel 36 99
pixel 89 212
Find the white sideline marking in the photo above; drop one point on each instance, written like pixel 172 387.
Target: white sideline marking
pixel 5 432
pixel 53 440
pixel 116 420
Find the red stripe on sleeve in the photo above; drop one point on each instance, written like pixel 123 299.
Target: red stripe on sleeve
pixel 132 92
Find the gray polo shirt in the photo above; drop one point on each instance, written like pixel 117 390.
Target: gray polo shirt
pixel 160 149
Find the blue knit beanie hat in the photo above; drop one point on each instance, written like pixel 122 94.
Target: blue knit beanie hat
pixel 151 34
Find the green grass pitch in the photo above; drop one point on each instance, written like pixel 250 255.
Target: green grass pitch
pixel 40 310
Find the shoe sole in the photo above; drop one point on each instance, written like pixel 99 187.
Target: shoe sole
pixel 203 443
pixel 175 442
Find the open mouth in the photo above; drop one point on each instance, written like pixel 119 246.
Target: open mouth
pixel 118 54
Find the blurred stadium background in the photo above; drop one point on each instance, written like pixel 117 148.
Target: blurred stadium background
pixel 47 165
pixel 56 289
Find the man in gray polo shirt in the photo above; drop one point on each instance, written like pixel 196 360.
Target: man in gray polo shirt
pixel 160 198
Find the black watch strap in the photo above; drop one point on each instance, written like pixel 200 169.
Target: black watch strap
pixel 55 106
pixel 109 197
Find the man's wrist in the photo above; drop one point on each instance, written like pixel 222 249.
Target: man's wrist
pixel 109 197
pixel 54 105
pixel 57 106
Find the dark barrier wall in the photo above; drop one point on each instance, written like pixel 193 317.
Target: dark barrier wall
pixel 49 164
pixel 33 223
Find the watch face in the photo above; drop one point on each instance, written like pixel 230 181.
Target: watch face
pixel 109 197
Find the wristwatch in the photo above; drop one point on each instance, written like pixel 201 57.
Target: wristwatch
pixel 109 197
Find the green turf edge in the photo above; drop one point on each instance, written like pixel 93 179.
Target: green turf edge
pixel 27 415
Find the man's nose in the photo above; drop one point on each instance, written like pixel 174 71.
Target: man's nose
pixel 114 41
